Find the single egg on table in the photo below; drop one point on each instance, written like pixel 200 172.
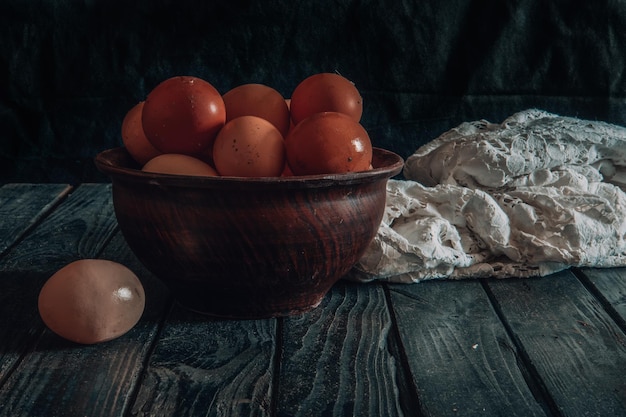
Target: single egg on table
pixel 91 300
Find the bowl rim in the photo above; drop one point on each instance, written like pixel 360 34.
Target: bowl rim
pixel 106 160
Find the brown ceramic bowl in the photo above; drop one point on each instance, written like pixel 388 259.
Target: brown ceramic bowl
pixel 248 247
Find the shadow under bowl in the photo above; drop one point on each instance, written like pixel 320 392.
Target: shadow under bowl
pixel 248 247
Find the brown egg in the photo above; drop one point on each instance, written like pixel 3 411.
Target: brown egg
pixel 133 137
pixel 177 164
pixel 249 146
pixel 182 115
pixel 325 92
pixel 258 100
pixel 328 143
pixel 91 301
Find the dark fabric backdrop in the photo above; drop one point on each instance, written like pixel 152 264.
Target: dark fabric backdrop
pixel 69 70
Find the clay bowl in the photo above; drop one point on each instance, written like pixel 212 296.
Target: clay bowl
pixel 248 247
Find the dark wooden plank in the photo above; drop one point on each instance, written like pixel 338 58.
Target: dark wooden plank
pixel 610 286
pixel 61 378
pixel 572 343
pixel 79 227
pixel 23 205
pixel 20 325
pixel 460 356
pixel 207 367
pixel 336 360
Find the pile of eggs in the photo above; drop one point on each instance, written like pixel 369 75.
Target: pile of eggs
pixel 186 127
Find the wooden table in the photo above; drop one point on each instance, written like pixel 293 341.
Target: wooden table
pixel 554 346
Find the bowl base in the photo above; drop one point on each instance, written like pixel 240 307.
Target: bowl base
pixel 243 311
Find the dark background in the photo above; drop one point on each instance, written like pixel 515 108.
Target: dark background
pixel 69 70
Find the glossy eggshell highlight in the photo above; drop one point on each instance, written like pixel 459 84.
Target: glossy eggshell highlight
pixel 134 138
pixel 183 115
pixel 258 100
pixel 178 164
pixel 325 92
pixel 328 143
pixel 91 301
pixel 249 146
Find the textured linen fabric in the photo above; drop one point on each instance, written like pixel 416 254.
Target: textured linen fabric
pixel 530 196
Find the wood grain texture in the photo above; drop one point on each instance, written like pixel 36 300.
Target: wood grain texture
pixel 77 228
pixel 458 351
pixel 336 359
pixel 23 205
pixel 62 378
pixel 574 346
pixel 554 346
pixel 610 285
pixel 207 367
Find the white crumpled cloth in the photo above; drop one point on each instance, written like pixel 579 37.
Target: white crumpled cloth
pixel 533 195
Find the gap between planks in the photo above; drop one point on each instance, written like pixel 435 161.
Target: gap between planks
pixel 54 196
pixel 612 298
